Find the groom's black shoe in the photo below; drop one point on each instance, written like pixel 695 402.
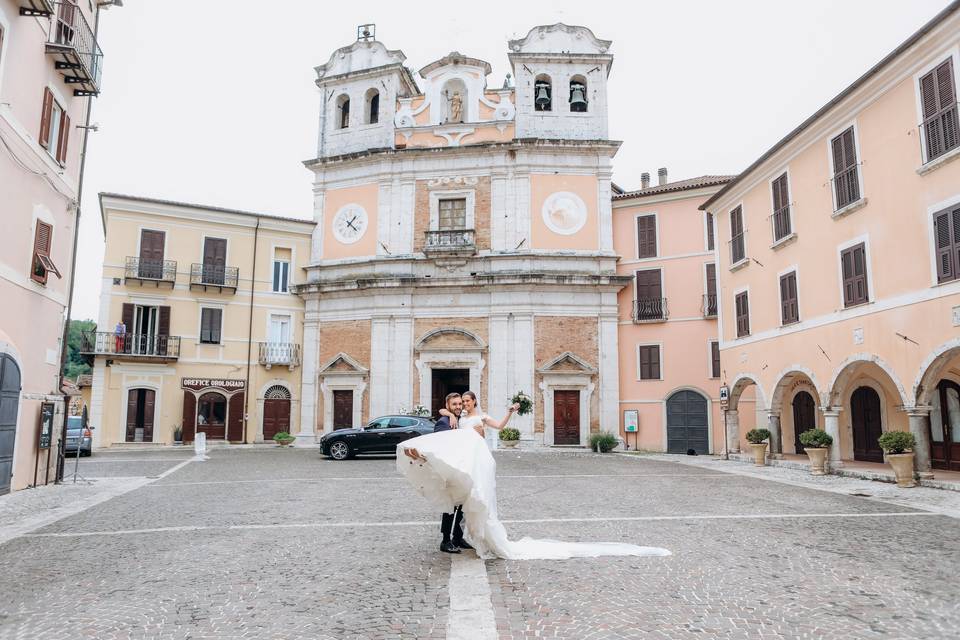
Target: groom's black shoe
pixel 448 547
pixel 463 544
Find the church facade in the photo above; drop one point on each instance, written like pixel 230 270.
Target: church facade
pixel 464 238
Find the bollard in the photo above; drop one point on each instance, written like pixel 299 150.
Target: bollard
pixel 200 446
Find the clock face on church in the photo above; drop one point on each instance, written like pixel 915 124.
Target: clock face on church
pixel 564 213
pixel 349 223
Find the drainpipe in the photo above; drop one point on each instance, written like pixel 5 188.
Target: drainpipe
pixel 253 286
pixel 73 265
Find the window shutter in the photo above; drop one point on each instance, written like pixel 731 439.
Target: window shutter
pixel 743 314
pixel 216 317
pixel 64 137
pixel 189 423
pixel 710 239
pixel 644 363
pixel 711 279
pixel 205 325
pixel 839 162
pixel 42 239
pixel 715 359
pixel 163 321
pixel 654 363
pixel 946 269
pixel 45 116
pixel 789 310
pixel 854 267
pixel 235 417
pixel 646 237
pixel 955 222
pixel 126 316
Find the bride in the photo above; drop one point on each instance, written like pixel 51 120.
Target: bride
pixel 474 418
pixel 455 467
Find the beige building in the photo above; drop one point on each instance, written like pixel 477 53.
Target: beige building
pixel 839 264
pixel 198 330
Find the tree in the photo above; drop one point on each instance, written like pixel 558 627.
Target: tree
pixel 76 365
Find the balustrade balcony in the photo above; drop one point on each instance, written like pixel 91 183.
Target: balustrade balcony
pixel 650 310
pixel 207 276
pixel 150 271
pixel 74 48
pixel 285 354
pixel 456 242
pixel 130 346
pixel 709 305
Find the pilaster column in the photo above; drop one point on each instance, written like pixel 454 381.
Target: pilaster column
pixel 776 444
pixel 307 435
pixel 831 423
pixel 920 428
pixel 733 432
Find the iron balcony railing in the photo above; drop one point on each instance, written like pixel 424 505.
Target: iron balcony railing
pixel 846 186
pixel 781 223
pixel 134 345
pixel 738 247
pixel 280 353
pixel 208 275
pixel 650 310
pixel 941 132
pixel 72 40
pixel 450 240
pixel 709 305
pixel 153 270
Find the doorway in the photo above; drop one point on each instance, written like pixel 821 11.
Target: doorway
pixel 687 425
pixel 140 411
pixel 9 408
pixel 276 412
pixel 945 427
pixel 342 409
pixel 212 415
pixel 804 417
pixel 566 417
pixel 447 381
pixel 867 425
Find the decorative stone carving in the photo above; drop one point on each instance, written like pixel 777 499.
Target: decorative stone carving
pixel 452 180
pixel 564 213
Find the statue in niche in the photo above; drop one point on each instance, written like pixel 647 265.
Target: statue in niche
pixel 455 108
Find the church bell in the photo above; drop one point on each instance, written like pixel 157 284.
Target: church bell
pixel 543 98
pixel 577 100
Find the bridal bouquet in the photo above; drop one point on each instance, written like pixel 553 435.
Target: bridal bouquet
pixel 522 399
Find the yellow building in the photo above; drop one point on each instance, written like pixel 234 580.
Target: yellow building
pixel 197 327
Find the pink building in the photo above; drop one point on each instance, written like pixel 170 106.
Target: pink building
pixel 669 353
pixel 50 67
pixel 839 264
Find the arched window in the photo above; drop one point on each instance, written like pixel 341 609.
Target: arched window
pixel 373 106
pixel 542 93
pixel 343 112
pixel 212 409
pixel 578 94
pixel 277 392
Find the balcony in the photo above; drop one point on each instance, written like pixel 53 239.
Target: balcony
pixel 156 272
pixel 74 48
pixel 285 354
pixel 207 277
pixel 450 242
pixel 709 305
pixel 36 8
pixel 650 310
pixel 130 346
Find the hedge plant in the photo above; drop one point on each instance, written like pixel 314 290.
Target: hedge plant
pixel 757 436
pixel 509 433
pixel 897 441
pixel 604 440
pixel 816 439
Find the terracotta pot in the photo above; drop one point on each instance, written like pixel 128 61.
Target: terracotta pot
pixel 759 454
pixel 902 464
pixel 285 443
pixel 509 444
pixel 818 457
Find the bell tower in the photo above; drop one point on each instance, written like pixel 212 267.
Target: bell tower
pixel 561 83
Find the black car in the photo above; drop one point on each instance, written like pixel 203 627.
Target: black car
pixel 380 436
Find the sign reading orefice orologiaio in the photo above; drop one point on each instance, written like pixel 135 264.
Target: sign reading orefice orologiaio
pixel 199 384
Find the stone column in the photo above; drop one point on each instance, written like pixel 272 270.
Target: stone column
pixel 307 436
pixel 831 423
pixel 920 428
pixel 733 432
pixel 776 444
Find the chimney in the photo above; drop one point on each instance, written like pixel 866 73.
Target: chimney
pixel 662 175
pixel 644 180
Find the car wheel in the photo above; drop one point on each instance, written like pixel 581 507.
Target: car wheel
pixel 340 450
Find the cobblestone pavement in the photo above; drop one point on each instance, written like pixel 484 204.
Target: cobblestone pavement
pixel 280 543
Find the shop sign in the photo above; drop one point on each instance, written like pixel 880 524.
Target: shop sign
pixel 197 384
pixel 47 410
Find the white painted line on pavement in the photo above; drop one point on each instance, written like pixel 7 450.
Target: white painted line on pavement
pixel 98 460
pixel 432 523
pixel 471 610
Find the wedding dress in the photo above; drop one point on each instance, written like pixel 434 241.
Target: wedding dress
pixel 490 436
pixel 459 470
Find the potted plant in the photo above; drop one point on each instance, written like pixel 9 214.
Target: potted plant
pixel 899 445
pixel 283 438
pixel 816 443
pixel 509 437
pixel 177 434
pixel 757 438
pixel 603 442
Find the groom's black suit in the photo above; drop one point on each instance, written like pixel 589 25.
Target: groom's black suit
pixel 450 522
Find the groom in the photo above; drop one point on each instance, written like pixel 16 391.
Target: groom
pixel 451 522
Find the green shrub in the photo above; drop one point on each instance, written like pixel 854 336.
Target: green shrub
pixel 897 441
pixel 816 438
pixel 757 436
pixel 605 441
pixel 509 433
pixel 283 435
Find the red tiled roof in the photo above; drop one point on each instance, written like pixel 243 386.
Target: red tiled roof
pixel 679 185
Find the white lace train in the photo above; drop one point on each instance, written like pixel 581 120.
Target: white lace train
pixel 460 470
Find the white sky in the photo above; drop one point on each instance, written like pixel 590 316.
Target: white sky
pixel 214 102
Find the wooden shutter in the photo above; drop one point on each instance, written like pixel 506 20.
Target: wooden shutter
pixel 738 248
pixel 946 269
pixel 649 362
pixel 45 116
pixel 646 236
pixel 216 324
pixel 648 285
pixel 189 424
pixel 43 238
pixel 133 406
pixel 235 417
pixel 151 245
pixel 710 239
pixel 712 281
pixel 743 314
pixel 854 267
pixel 126 316
pixel 845 182
pixel 780 196
pixel 215 252
pixel 938 98
pixel 210 325
pixel 64 137
pixel 736 222
pixel 715 359
pixel 789 307
pixel 163 321
pixel 149 402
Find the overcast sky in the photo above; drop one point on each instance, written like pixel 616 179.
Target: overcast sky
pixel 214 102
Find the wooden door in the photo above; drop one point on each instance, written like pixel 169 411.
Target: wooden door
pixel 149 398
pixel 566 417
pixel 133 407
pixel 867 426
pixel 214 260
pixel 276 417
pixel 945 427
pixel 687 423
pixel 9 408
pixel 343 409
pixel 151 254
pixel 804 417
